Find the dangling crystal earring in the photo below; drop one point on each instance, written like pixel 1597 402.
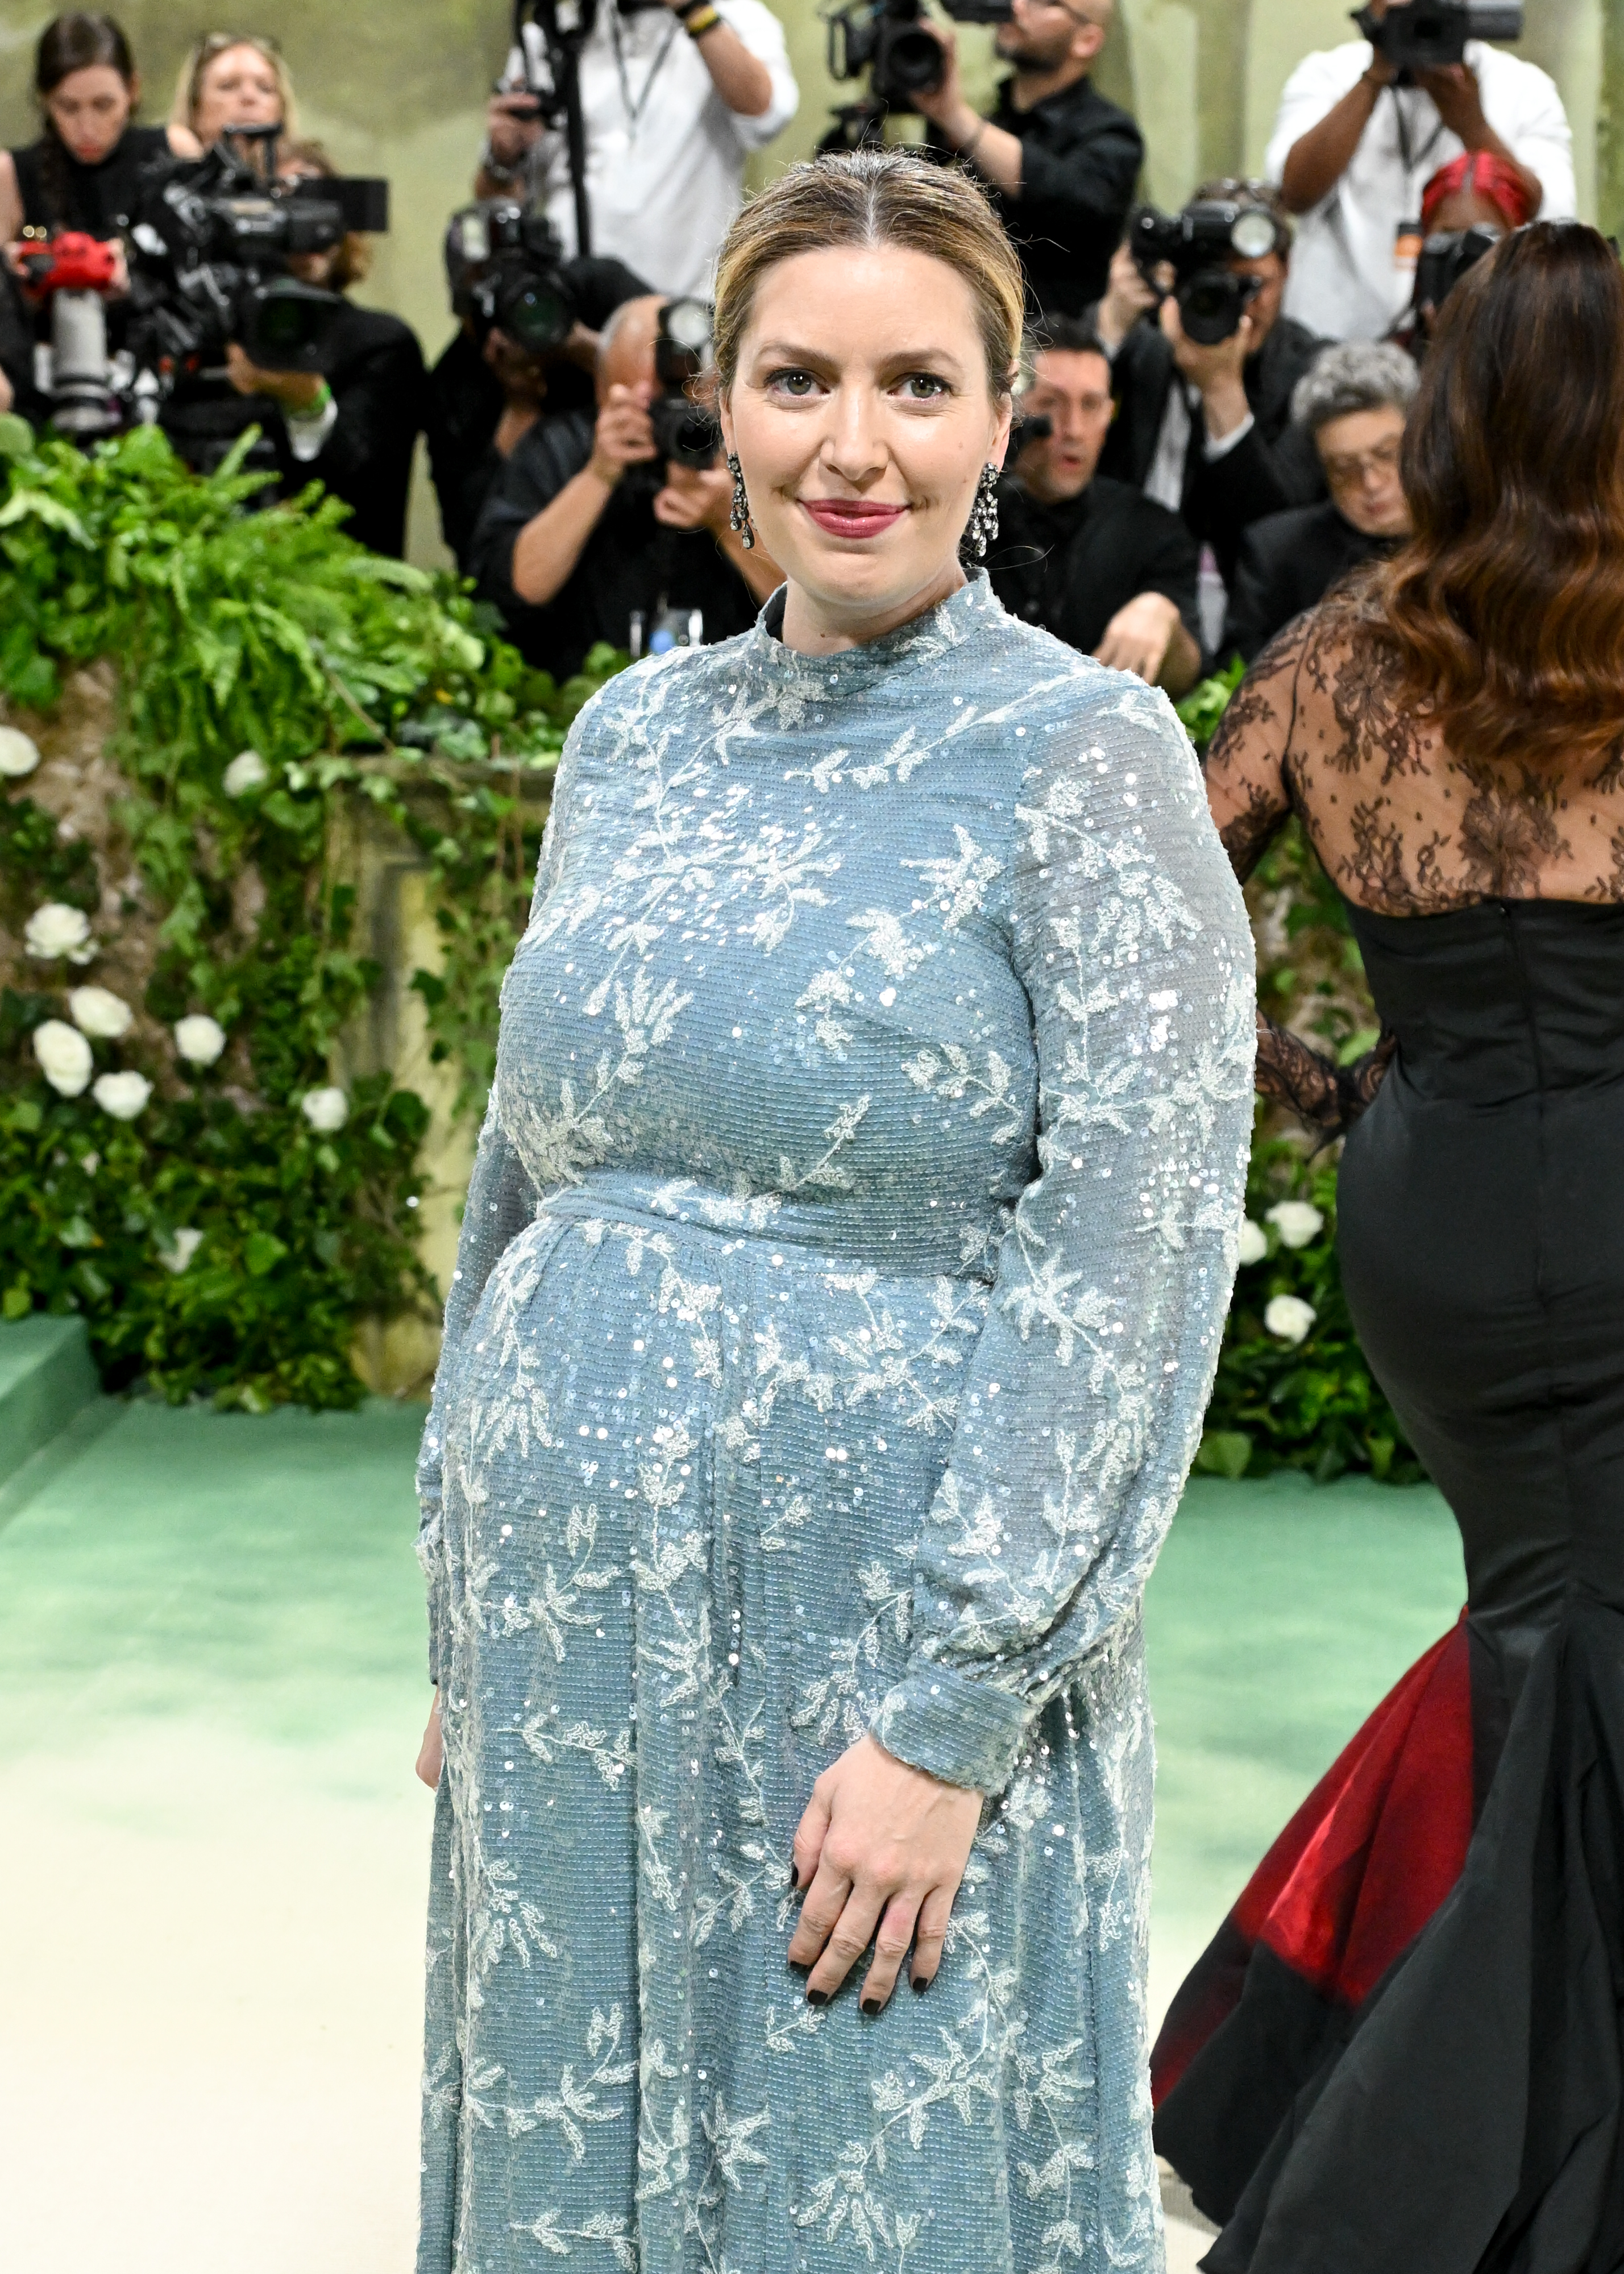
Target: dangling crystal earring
pixel 739 519
pixel 983 522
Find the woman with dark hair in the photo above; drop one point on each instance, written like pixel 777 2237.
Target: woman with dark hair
pixel 1402 2051
pixel 83 169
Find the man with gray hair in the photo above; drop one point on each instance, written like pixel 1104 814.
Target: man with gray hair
pixel 1353 403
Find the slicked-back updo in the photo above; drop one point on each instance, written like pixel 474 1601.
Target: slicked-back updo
pixel 874 197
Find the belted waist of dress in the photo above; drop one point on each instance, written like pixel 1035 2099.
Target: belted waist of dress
pixel 824 1236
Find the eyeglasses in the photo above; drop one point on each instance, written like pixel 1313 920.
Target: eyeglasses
pixel 1342 472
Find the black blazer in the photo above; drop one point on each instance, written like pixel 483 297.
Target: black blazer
pixel 1286 563
pixel 1275 466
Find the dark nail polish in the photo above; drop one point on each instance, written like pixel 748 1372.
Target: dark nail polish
pixel 869 2004
pixel 920 1984
pixel 818 1997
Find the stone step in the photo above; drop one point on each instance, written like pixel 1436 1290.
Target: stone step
pixel 46 1377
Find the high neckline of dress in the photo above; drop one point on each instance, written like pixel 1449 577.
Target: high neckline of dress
pixel 922 641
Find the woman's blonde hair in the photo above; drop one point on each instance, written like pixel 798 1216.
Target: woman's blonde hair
pixel 874 197
pixel 189 85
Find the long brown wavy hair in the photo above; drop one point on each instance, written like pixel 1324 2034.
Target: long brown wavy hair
pixel 1505 612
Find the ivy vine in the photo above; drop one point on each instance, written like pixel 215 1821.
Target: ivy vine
pixel 225 1224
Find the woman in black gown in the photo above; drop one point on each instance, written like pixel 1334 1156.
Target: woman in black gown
pixel 1404 2049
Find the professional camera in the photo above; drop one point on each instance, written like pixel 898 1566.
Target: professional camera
pixel 1430 35
pixel 506 269
pixel 212 249
pixel 1199 243
pixel 72 273
pixel 685 431
pixel 1445 259
pixel 888 39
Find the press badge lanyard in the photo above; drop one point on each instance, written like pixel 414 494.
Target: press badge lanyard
pixel 634 110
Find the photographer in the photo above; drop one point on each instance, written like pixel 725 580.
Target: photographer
pixel 487 390
pixel 1059 160
pixel 586 530
pixel 1094 561
pixel 1205 429
pixel 674 96
pixel 1354 404
pixel 354 429
pixel 232 78
pixel 83 169
pixel 1353 145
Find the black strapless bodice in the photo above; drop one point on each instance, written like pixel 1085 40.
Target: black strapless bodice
pixel 1500 1001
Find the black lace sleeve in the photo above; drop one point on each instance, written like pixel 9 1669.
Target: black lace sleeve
pixel 1324 1096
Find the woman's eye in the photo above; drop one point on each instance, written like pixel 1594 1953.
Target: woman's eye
pixel 924 387
pixel 798 383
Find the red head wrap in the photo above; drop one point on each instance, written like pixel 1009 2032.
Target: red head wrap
pixel 1490 175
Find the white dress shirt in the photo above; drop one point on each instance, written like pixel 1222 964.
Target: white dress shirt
pixel 1344 281
pixel 665 155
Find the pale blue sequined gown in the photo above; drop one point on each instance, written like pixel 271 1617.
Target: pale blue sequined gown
pixel 841 1283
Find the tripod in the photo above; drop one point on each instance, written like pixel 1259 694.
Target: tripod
pixel 565 25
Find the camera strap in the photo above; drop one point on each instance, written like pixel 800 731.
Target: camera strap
pixel 1411 158
pixel 634 110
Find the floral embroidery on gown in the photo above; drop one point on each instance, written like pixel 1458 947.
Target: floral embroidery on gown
pixel 840 1287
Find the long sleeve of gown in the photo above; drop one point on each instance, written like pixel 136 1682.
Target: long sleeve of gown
pixel 501 1200
pixel 1084 1401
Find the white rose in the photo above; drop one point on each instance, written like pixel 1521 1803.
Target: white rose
pixel 64 1057
pixel 55 929
pixel 325 1110
pixel 97 1011
pixel 1297 1222
pixel 1254 1241
pixel 199 1039
pixel 247 771
pixel 181 1249
pixel 1289 1317
pixel 121 1095
pixel 18 755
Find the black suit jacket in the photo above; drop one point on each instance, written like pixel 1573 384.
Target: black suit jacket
pixel 1273 467
pixel 1079 162
pixel 376 374
pixel 1070 566
pixel 1286 563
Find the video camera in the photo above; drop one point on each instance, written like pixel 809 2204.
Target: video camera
pixel 212 251
pixel 888 40
pixel 506 269
pixel 1431 34
pixel 1199 243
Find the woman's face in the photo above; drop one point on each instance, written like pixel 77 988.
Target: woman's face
pixel 239 89
pixel 90 109
pixel 862 416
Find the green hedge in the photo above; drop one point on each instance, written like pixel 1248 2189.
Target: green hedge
pixel 227 1237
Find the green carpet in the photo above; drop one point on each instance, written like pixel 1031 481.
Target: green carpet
pixel 211 1674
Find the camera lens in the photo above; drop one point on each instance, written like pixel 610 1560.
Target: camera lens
pixel 1252 236
pixel 913 63
pixel 535 318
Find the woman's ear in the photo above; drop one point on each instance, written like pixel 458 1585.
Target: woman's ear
pixel 725 420
pixel 1001 433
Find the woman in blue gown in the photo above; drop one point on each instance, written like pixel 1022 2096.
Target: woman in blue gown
pixel 841 1286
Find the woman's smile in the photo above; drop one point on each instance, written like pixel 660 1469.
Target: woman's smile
pixel 852 518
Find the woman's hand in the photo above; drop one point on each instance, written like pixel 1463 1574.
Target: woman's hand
pixel 880 1851
pixel 432 1759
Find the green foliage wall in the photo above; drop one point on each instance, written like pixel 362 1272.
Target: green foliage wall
pixel 216 694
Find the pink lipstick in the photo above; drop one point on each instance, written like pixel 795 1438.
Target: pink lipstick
pixel 853 517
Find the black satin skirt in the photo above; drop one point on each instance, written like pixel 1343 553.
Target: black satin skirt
pixel 1404 2051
